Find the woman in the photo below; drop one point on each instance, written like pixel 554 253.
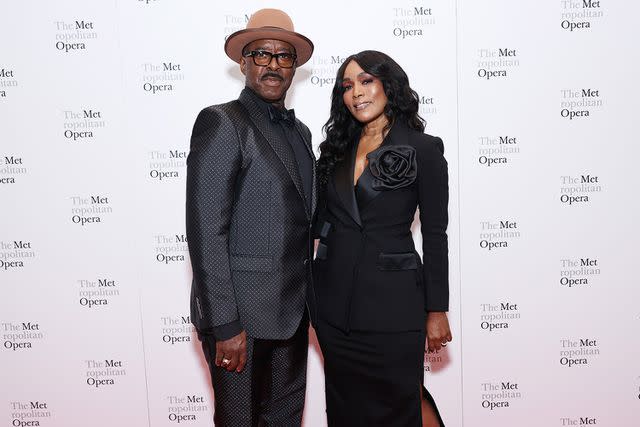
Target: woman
pixel 375 299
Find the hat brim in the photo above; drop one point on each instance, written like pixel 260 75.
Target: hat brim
pixel 238 40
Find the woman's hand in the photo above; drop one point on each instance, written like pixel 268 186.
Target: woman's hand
pixel 438 331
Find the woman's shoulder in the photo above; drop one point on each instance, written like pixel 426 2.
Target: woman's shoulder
pixel 424 143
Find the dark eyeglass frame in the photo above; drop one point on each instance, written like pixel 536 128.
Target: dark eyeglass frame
pixel 270 55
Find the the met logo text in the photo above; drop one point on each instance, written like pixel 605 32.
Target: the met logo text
pixel 97 293
pixel 186 408
pixel 579 15
pixel 496 151
pixel 578 352
pixel 20 336
pixel 176 329
pixel 167 165
pixel 10 167
pixel 104 372
pixel 71 37
pixel 499 394
pixel 497 234
pixel 581 421
pixel 161 77
pixel 90 210
pixel 496 63
pixel 498 316
pixel 578 189
pixel 410 22
pixel 14 253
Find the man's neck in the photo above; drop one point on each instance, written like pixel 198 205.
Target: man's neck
pixel 276 104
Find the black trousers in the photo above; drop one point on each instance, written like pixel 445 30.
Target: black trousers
pixel 270 391
pixel 373 379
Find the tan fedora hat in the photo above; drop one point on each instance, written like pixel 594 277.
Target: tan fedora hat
pixel 268 24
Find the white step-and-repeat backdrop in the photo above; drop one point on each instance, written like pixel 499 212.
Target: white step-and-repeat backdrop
pixel 537 103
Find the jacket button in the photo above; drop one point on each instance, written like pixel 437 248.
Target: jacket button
pixel 306 261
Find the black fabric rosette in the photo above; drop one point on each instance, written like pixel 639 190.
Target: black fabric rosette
pixel 393 167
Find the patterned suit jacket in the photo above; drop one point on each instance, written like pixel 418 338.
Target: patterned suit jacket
pixel 248 225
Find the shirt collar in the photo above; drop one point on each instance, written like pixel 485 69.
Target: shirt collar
pixel 261 103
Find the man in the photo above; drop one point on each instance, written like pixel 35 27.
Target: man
pixel 250 200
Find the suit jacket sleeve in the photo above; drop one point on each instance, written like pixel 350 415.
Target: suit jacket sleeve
pixel 214 162
pixel 433 202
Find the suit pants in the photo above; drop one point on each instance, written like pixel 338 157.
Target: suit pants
pixel 270 391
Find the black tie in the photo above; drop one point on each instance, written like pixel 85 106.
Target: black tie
pixel 283 115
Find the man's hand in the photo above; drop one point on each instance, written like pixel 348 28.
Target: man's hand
pixel 438 332
pixel 231 354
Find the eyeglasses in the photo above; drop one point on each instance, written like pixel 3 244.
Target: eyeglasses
pixel 263 58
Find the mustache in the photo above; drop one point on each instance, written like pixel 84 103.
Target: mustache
pixel 269 74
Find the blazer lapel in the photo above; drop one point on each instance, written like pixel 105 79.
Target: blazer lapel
pixel 282 148
pixel 309 146
pixel 343 181
pixel 397 136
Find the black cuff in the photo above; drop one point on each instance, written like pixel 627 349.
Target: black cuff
pixel 226 331
pixel 437 308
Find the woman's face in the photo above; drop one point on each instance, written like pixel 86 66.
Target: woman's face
pixel 363 94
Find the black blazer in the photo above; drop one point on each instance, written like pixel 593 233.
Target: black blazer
pixel 248 225
pixel 368 275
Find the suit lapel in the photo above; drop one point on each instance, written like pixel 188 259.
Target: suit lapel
pixel 309 146
pixel 282 148
pixel 343 181
pixel 397 136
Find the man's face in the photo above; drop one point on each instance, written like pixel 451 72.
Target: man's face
pixel 270 82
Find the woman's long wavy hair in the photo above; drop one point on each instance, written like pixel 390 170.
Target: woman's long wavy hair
pixel 342 128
